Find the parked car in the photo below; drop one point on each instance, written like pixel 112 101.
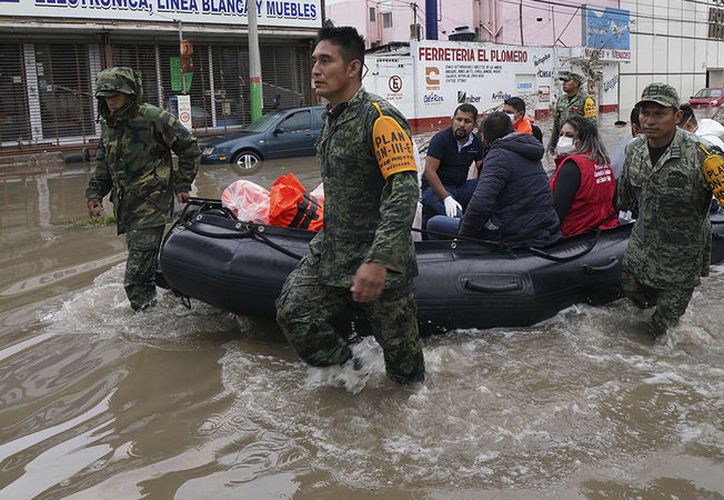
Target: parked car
pixel 280 134
pixel 710 96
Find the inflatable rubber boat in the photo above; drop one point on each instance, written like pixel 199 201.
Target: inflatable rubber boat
pixel 240 267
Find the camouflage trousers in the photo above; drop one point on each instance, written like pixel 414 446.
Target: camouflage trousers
pixel 306 311
pixel 140 278
pixel 670 303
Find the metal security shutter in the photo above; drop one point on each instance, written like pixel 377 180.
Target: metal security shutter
pixel 199 90
pixel 14 114
pixel 231 88
pixel 65 91
pixel 285 73
pixel 142 58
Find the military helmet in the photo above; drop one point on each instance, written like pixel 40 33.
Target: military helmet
pixel 112 81
pixel 662 94
pixel 570 75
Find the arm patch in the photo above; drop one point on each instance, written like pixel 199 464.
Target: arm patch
pixel 589 108
pixel 393 147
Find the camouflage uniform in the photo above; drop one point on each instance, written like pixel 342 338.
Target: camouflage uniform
pixel 366 219
pixel 134 164
pixel 669 245
pixel 580 104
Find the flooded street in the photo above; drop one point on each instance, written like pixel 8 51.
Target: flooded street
pixel 98 402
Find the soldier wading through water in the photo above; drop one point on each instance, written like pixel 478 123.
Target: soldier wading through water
pixel 663 178
pixel 364 254
pixel 134 164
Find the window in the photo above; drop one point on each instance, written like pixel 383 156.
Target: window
pixel 296 122
pixel 372 15
pixel 387 20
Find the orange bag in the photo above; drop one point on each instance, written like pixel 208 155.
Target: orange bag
pixel 290 205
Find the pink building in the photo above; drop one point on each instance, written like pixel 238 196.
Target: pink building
pixel 523 22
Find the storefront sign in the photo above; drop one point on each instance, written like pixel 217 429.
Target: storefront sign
pixel 286 13
pixel 606 29
pixel 613 55
pixel 449 73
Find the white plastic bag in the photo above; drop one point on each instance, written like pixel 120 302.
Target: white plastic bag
pixel 247 200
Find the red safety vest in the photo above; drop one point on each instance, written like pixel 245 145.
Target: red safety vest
pixel 593 202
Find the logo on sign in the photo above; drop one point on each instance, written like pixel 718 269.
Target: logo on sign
pixel 500 96
pixel 432 98
pixel 395 83
pixel 185 117
pixel 432 76
pixel 540 60
pixel 465 97
pixel 524 86
pixel 544 73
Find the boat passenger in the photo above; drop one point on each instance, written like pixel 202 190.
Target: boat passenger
pixel 583 184
pixel 446 189
pixel 512 202
pixel 514 107
pixel 711 131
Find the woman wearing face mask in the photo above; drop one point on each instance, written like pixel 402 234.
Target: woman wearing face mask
pixel 583 184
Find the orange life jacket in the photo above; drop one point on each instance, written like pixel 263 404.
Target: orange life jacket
pixel 290 205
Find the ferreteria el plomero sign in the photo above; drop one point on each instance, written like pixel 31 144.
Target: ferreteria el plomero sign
pixel 716 23
pixel 280 13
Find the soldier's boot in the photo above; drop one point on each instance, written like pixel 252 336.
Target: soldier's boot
pixel 657 327
pixel 140 297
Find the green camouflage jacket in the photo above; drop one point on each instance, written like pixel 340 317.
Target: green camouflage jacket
pixel 670 239
pixel 366 218
pixel 580 104
pixel 134 157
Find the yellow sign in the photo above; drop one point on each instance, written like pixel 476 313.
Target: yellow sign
pixel 393 147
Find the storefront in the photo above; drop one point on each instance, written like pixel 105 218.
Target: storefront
pixel 48 63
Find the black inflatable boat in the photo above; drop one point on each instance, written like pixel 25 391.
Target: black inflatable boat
pixel 240 267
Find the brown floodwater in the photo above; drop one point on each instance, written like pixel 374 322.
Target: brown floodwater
pixel 98 402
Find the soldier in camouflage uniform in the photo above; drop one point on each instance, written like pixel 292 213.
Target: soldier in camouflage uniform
pixel 663 176
pixel 364 254
pixel 575 101
pixel 134 164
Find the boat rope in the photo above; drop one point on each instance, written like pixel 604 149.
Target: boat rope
pixel 535 251
pixel 256 233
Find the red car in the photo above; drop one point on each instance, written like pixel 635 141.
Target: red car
pixel 710 96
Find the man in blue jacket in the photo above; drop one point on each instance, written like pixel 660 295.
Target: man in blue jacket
pixel 512 202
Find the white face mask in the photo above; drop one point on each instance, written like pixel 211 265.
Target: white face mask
pixel 511 116
pixel 565 145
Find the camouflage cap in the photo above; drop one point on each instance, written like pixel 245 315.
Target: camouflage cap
pixel 110 82
pixel 570 75
pixel 660 93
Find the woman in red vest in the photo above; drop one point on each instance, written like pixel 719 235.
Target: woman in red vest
pixel 583 184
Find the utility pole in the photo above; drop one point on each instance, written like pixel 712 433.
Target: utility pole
pixel 180 41
pixel 257 95
pixel 431 19
pixel 520 16
pixel 414 20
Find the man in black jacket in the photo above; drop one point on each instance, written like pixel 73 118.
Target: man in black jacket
pixel 512 202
